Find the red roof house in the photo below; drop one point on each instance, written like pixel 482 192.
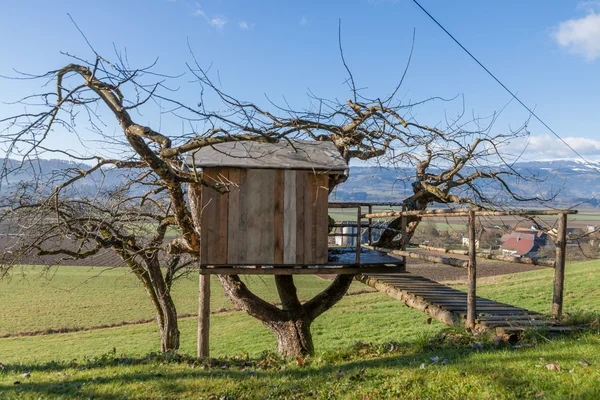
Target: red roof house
pixel 523 242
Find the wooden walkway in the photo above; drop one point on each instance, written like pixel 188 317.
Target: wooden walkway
pixel 449 305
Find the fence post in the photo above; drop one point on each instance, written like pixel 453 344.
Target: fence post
pixel 203 315
pixel 358 233
pixel 559 267
pixel 472 274
pixel 404 228
pixel 370 226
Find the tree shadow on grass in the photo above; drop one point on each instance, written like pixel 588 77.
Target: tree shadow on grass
pixel 155 375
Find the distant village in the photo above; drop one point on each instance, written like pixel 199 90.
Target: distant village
pixel 529 242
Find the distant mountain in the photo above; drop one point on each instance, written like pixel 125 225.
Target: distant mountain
pixel 573 182
pixel 48 173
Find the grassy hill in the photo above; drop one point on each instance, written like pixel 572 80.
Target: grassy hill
pixel 368 346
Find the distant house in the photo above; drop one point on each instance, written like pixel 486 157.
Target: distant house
pixel 465 242
pixel 523 242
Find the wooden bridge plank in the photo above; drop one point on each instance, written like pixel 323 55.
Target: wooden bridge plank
pixel 428 293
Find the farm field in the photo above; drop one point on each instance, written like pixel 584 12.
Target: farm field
pixel 36 299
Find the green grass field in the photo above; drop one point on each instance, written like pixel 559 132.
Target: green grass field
pixel 68 297
pixel 72 365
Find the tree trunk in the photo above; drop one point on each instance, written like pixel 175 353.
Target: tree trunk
pixel 293 337
pixel 160 294
pixel 169 327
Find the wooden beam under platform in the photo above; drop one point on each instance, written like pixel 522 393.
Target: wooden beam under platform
pixel 326 270
pixel 340 261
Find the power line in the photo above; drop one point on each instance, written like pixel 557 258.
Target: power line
pixel 506 88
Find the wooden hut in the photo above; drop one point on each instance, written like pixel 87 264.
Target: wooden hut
pixel 275 209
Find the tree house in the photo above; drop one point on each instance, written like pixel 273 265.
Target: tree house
pixel 275 209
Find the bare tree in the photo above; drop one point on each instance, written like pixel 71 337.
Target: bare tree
pixel 450 163
pixel 131 220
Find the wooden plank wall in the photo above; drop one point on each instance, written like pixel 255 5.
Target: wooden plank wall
pixel 268 217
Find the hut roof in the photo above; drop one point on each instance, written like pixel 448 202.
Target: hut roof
pixel 309 155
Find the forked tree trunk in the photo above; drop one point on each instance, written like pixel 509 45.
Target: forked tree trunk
pixel 291 323
pixel 293 337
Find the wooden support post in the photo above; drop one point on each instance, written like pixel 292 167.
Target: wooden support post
pixel 370 226
pixel 559 268
pixel 404 229
pixel 358 234
pixel 472 273
pixel 203 315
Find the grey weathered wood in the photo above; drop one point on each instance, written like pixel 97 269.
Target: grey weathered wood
pixel 289 218
pixel 465 213
pixel 358 234
pixel 243 233
pixel 444 307
pixel 278 223
pixel 309 223
pixel 472 273
pixel 300 221
pixel 559 269
pixel 370 227
pixel 203 315
pixel 297 155
pixel 404 232
pixel 322 220
pixel 233 218
pixel 260 203
pixel 497 257
pixel 287 270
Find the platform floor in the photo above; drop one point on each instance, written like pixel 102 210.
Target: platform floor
pixel 341 260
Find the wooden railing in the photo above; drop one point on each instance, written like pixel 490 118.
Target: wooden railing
pixel 471 264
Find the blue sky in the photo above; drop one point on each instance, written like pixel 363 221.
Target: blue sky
pixel 546 50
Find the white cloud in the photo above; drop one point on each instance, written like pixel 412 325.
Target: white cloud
pixel 581 36
pixel 245 26
pixel 303 21
pixel 218 22
pixel 549 147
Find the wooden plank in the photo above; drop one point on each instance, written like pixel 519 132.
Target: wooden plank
pixel 485 318
pixel 322 220
pixel 278 209
pixel 370 225
pixel 286 270
pixel 310 192
pixel 221 251
pixel 210 218
pixel 289 219
pixel 233 218
pixel 260 204
pixel 465 212
pixel 300 222
pixel 243 230
pixel 358 234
